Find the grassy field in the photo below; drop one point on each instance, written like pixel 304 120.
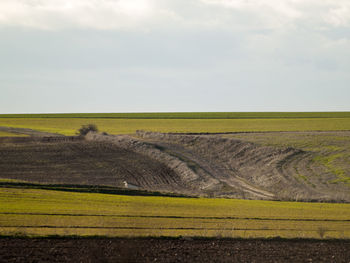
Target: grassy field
pixel 69 126
pixel 43 212
pixel 187 115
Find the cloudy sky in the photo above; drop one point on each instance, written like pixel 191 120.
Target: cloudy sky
pixel 174 55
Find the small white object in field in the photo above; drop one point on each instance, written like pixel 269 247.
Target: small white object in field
pixel 130 186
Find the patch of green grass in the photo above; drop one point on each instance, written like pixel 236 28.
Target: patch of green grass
pixel 342 179
pixel 42 212
pixel 11 183
pixel 330 162
pixel 327 160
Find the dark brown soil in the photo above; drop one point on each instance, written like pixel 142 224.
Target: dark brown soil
pixel 83 162
pixel 162 250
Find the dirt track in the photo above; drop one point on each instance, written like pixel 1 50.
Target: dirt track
pixel 161 250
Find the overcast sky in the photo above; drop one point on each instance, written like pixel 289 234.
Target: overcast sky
pixel 174 55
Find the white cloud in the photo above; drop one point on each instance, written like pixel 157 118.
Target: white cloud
pixel 339 15
pixel 281 7
pixel 149 14
pixel 58 14
pixel 282 48
pixel 280 13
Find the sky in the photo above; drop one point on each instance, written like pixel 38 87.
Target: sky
pixel 174 55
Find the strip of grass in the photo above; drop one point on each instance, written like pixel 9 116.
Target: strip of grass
pixel 42 212
pixel 8 183
pixel 69 126
pixel 187 115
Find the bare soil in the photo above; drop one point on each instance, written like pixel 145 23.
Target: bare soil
pixel 84 162
pixel 203 165
pixel 171 250
pixel 228 167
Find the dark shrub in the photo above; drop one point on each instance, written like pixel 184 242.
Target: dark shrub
pixel 85 129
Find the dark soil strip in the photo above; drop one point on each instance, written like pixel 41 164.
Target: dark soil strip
pixel 89 189
pixel 187 217
pixel 171 250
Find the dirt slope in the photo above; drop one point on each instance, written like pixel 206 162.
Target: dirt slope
pixel 203 165
pixel 224 167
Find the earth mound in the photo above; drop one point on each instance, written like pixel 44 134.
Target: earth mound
pixel 201 165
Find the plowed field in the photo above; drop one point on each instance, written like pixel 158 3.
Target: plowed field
pixel 162 250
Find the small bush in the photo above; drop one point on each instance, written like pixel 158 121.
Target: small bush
pixel 85 129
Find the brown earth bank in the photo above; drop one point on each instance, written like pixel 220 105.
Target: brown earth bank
pixel 228 167
pixel 202 165
pixel 171 250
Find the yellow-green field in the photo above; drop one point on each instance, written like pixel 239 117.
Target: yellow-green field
pixel 69 126
pixel 42 212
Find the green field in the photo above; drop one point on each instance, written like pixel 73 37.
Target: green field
pixel 43 212
pixel 69 126
pixel 181 122
pixel 187 115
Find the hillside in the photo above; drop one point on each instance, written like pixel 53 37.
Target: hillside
pixel 202 165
